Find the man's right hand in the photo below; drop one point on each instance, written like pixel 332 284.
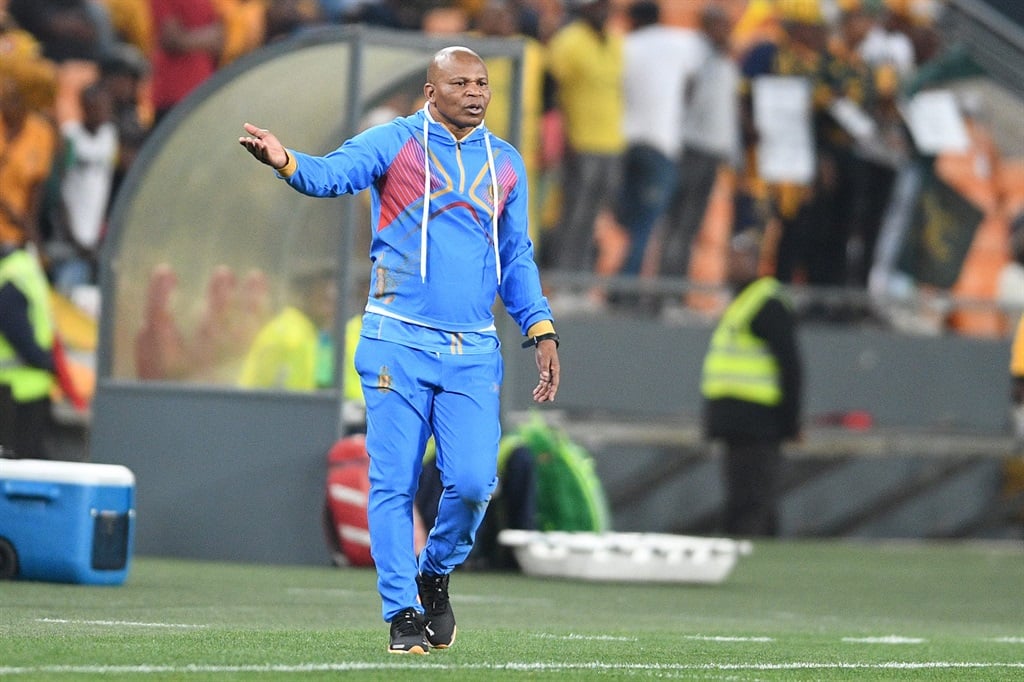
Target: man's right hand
pixel 264 145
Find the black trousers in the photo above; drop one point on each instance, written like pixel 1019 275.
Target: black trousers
pixel 699 170
pixel 514 506
pixel 751 471
pixel 23 426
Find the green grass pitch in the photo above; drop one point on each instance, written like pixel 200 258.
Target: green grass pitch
pixel 792 610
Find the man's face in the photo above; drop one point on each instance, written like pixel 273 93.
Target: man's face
pixel 718 29
pixel 122 87
pixel 741 265
pixel 458 92
pixel 596 12
pixel 855 26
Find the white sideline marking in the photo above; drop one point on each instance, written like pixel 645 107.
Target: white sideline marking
pixel 68 621
pixel 888 639
pixel 458 598
pixel 720 638
pixel 322 591
pixel 514 667
pixel 595 638
pixel 1008 640
pixel 499 599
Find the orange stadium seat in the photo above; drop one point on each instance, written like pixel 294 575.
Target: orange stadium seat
pixel 976 175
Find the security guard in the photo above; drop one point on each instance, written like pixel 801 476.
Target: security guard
pixel 751 384
pixel 27 370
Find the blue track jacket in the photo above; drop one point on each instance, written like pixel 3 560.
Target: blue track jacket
pixel 439 252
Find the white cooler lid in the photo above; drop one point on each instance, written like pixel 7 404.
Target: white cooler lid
pixel 77 473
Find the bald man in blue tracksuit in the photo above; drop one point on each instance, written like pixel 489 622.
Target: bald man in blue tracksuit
pixel 449 216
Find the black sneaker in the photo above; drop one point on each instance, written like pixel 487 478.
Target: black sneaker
pixel 439 617
pixel 407 635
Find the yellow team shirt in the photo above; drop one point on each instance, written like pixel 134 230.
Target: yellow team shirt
pixel 17 44
pixel 588 69
pixel 245 27
pixel 21 58
pixel 133 21
pixel 1017 351
pixel 27 161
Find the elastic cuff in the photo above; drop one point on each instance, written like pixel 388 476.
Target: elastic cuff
pixel 289 167
pixel 542 327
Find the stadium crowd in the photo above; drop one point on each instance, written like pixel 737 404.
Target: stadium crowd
pixel 643 130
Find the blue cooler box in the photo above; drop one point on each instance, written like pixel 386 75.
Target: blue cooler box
pixel 70 522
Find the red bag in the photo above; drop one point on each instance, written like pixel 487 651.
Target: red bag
pixel 348 489
pixel 348 485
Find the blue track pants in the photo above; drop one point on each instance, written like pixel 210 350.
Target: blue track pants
pixel 410 395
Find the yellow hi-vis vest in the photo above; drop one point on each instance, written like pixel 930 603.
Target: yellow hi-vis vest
pixel 739 364
pixel 27 383
pixel 284 354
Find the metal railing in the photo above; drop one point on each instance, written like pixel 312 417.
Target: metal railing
pixel 993 40
pixel 924 312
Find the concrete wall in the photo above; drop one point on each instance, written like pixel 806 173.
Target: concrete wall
pixel 221 474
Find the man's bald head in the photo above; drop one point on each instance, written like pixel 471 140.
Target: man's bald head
pixel 443 59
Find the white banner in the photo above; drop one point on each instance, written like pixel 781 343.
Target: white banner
pixel 782 116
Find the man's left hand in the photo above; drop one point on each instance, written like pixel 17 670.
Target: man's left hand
pixel 547 366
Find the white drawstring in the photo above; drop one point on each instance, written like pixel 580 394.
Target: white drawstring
pixel 426 198
pixel 426 195
pixel 494 211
